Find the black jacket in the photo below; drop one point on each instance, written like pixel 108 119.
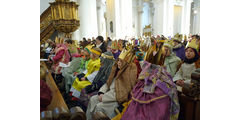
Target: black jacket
pixel 103 47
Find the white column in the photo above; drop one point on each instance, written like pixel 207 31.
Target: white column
pixel 159 15
pixel 139 18
pixel 88 18
pixel 112 14
pixel 151 13
pixel 185 29
pixel 169 17
pixel 196 17
pixel 120 13
pixel 134 17
pixel 126 18
pixel 101 8
pixel 76 35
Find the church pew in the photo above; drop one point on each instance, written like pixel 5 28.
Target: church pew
pixel 77 113
pixel 189 98
pixel 189 108
pixel 46 115
pixel 57 99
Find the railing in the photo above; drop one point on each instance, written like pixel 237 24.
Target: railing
pixel 57 99
pixel 46 27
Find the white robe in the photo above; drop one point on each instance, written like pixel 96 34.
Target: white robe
pixel 184 73
pixel 108 104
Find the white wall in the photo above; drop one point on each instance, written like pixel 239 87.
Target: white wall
pixel 177 19
pixel 44 4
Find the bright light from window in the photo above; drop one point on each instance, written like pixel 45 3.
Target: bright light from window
pixel 195 11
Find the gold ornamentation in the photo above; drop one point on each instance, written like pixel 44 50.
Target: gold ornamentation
pixel 64 16
pixel 148 101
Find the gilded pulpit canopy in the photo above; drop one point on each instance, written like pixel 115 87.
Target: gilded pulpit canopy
pixel 65 16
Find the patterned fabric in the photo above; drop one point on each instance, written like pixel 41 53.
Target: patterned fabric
pixel 93 65
pixel 61 55
pixel 172 62
pixel 83 65
pixel 102 75
pixel 159 76
pixel 92 69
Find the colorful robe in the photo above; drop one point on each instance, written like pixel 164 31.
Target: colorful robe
pixel 91 71
pixel 61 55
pixel 172 62
pixel 185 71
pixel 69 71
pixel 154 97
pixel 99 80
pixel 116 90
pixel 73 50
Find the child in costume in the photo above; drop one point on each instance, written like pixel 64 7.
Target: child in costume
pixel 171 61
pixel 115 51
pixel 178 47
pixel 154 97
pixel 121 80
pixel 86 78
pixel 191 63
pixel 61 55
pixel 107 61
pixel 77 66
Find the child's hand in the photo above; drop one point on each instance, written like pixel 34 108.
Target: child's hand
pixel 180 82
pixel 83 78
pixel 75 73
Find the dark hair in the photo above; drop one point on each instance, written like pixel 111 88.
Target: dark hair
pixel 100 38
pixel 69 41
pixel 109 39
pixel 190 61
pixel 196 36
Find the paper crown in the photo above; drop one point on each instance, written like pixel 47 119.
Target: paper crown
pixel 123 54
pixel 96 51
pixel 107 56
pixel 193 44
pixel 178 37
pixel 114 45
pixel 168 44
pixel 88 48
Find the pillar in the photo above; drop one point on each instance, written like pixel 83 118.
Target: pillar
pixel 88 19
pixel 101 8
pixel 159 15
pixel 185 29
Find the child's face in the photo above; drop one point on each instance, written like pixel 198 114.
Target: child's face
pixel 190 54
pixel 85 52
pixel 92 56
pixel 166 51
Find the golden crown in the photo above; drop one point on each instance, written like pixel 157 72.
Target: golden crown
pixel 193 44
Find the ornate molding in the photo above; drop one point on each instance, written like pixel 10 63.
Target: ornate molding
pixel 46 27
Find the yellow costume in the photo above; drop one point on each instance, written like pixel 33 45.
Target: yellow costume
pixel 92 70
pixel 120 114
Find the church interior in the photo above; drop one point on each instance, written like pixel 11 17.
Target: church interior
pixel 119 59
